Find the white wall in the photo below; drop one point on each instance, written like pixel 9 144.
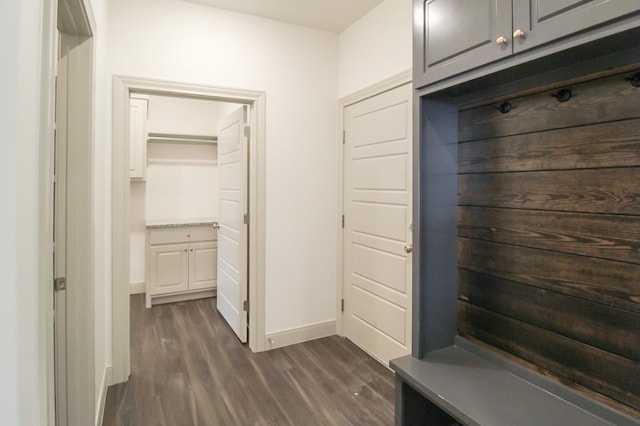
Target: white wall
pixel 182 184
pixel 182 181
pixel 10 13
pixel 137 238
pixel 376 47
pixel 298 69
pixel 25 293
pixel 183 116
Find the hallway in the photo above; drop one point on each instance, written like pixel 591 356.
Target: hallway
pixel 188 368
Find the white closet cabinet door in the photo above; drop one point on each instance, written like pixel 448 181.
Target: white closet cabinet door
pixel 138 139
pixel 168 268
pixel 202 265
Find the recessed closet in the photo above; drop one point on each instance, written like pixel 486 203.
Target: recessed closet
pixel 174 197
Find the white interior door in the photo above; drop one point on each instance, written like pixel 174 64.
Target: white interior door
pixel 74 343
pixel 232 235
pixel 60 238
pixel 377 230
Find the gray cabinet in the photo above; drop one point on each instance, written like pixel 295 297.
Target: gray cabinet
pixel 544 21
pixel 461 35
pixel 455 36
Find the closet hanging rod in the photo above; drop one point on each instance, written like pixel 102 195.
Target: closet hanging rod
pixel 165 137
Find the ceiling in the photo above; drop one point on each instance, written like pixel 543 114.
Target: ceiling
pixel 328 15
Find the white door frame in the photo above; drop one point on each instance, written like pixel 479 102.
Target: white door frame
pixel 122 88
pixel 76 14
pixel 368 92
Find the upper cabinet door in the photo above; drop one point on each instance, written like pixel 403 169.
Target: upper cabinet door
pixel 138 138
pixel 544 21
pixel 459 35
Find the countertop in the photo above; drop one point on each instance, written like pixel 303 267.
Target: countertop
pixel 174 223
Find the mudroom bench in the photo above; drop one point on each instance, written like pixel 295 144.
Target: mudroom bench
pixel 466 384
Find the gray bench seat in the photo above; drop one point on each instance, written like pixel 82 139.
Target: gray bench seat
pixel 466 384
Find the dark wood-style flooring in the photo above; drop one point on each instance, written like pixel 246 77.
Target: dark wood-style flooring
pixel 188 368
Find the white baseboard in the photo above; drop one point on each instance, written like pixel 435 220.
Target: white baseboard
pixel 302 334
pixel 102 399
pixel 137 288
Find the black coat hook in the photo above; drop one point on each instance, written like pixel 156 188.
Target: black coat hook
pixel 634 79
pixel 563 95
pixel 505 107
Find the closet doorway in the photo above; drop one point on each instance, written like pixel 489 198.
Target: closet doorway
pixel 187 268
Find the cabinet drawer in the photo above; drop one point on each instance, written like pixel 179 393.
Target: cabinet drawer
pixel 181 235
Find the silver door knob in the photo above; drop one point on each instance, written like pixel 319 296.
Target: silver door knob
pixel 518 33
pixel 408 248
pixel 502 40
pixel 216 225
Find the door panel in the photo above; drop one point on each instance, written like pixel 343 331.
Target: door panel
pixel 389 221
pixel 461 35
pixel 544 21
pixel 382 267
pixel 203 261
pixel 169 268
pixel 377 206
pixel 380 173
pixel 138 138
pixel 232 235
pixel 373 131
pixel 74 342
pixel 382 315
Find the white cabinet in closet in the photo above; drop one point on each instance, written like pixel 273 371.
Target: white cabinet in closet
pixel 181 263
pixel 138 134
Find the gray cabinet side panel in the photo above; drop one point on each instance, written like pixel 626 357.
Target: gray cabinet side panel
pixel 437 267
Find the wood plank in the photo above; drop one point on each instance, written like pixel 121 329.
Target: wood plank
pixel 615 144
pixel 608 374
pixel 189 368
pixel 610 329
pixel 613 191
pixel 603 236
pixel 598 101
pixel 612 283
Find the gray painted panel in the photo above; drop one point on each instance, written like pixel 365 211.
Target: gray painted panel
pixel 448 31
pixel 461 34
pixel 477 392
pixel 545 21
pixel 438 273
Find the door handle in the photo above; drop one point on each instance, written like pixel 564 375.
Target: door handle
pixel 408 248
pixel 216 225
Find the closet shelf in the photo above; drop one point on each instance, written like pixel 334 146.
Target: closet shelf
pixel 170 138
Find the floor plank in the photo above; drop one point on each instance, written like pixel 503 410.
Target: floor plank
pixel 188 368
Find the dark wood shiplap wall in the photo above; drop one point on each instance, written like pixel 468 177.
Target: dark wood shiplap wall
pixel 549 233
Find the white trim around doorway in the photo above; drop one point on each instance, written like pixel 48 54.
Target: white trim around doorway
pixel 122 87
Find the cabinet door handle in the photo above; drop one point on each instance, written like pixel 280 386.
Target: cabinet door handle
pixel 502 40
pixel 185 250
pixel 518 33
